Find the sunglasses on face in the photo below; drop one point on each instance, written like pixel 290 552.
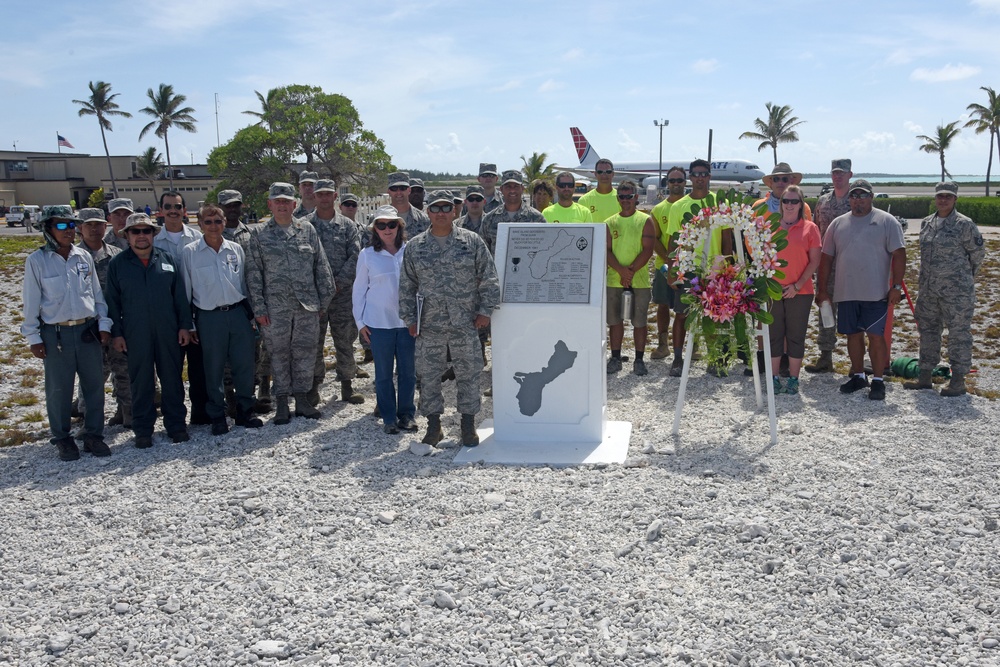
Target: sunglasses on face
pixel 675 180
pixel 700 174
pixel 565 185
pixel 780 179
pixel 791 201
pixel 476 199
pixel 350 204
pixel 213 221
pixel 626 197
pixel 440 208
pixel 604 172
pixel 399 188
pixel 861 195
pixel 140 231
pixel 63 226
pixel 382 226
pixel 173 207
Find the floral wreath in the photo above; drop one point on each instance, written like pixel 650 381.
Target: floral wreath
pixel 722 296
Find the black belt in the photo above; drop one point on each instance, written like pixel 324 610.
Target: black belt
pixel 223 309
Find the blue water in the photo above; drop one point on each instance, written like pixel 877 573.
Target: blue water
pixel 908 178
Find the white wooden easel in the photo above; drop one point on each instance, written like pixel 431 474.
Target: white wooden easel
pixel 689 350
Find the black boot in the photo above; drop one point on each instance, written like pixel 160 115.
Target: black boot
pixel 469 436
pixel 434 434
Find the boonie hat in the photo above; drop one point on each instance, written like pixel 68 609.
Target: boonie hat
pixel 398 178
pixel 281 191
pixel 439 196
pixel 861 184
pixel 86 214
pixel 138 220
pixel 117 204
pixel 946 187
pixel 58 211
pixel 325 185
pixel 308 177
pixel 842 164
pixel 512 176
pixel 487 169
pixel 782 169
pixel 386 212
pixel 230 196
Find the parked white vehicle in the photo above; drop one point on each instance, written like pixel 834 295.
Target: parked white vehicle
pixel 16 214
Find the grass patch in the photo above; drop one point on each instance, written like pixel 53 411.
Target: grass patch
pixel 13 250
pixel 14 436
pixel 24 399
pixel 34 417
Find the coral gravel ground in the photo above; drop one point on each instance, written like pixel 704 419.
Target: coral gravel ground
pixel 867 535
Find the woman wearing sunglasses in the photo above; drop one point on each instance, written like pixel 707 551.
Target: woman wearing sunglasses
pixel 376 311
pixel 791 311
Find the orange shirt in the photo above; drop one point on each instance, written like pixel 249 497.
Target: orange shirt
pixel 802 236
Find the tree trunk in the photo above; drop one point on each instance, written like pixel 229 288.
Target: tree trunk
pixel 774 147
pixel 170 169
pixel 943 170
pixel 111 171
pixel 989 165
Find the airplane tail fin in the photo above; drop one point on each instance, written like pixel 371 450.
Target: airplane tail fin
pixel 588 156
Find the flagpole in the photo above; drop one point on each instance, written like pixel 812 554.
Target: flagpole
pixel 58 146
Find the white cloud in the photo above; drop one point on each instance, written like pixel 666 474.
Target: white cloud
pixel 551 85
pixel 627 143
pixel 454 144
pixel 910 126
pixel 573 54
pixel 705 66
pixel 513 84
pixel 992 6
pixel 899 57
pixel 947 73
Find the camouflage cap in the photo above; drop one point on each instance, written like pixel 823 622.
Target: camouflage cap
pixel 843 164
pixel 281 191
pixel 512 176
pixel 230 196
pixel 439 196
pixel 325 185
pixel 386 213
pixel 87 214
pixel 118 204
pixel 417 183
pixel 861 184
pixel 475 190
pixel 946 187
pixel 398 178
pixel 349 197
pixel 58 212
pixel 457 199
pixel 138 220
pixel 488 169
pixel 308 177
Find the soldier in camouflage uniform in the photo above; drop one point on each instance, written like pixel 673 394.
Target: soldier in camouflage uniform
pixel 514 208
pixel 951 252
pixel 399 196
pixel 475 202
pixel 349 208
pixel 307 191
pixel 92 227
pixel 289 280
pixel 831 205
pixel 341 242
pixel 487 178
pixel 452 271
pixel 118 212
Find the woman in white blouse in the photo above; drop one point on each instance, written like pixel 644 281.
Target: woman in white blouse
pixel 376 311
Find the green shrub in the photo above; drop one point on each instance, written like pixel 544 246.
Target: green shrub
pixel 907 207
pixel 982 210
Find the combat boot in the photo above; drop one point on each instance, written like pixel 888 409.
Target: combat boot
pixel 313 394
pixel 469 436
pixel 922 382
pixel 661 352
pixel 348 394
pixel 434 434
pixel 303 408
pixel 127 416
pixel 823 363
pixel 117 419
pixel 956 387
pixel 282 415
pixel 263 403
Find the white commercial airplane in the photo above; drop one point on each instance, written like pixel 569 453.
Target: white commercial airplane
pixel 738 171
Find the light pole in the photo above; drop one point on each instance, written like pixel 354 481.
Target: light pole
pixel 659 178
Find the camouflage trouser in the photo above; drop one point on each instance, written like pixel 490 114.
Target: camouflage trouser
pixel 431 362
pixel 826 339
pixel 263 357
pixel 935 313
pixel 291 339
pixel 339 317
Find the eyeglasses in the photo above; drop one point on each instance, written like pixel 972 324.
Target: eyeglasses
pixel 675 180
pixel 213 221
pixel 604 172
pixel 140 231
pixel 475 199
pixel 626 197
pixel 350 204
pixel 700 174
pixel 440 208
pixel 172 207
pixel 780 179
pixel 63 226
pixel 791 201
pixel 565 185
pixel 860 195
pixel 399 188
pixel 382 226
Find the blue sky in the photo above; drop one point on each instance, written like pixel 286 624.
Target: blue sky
pixel 447 84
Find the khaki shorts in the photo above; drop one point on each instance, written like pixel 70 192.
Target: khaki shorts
pixel 640 303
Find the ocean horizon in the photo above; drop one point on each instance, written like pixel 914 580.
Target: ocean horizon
pixel 819 179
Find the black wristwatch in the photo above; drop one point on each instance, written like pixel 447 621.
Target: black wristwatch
pixel 898 287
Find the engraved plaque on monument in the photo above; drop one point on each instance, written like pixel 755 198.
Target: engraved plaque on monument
pixel 548 264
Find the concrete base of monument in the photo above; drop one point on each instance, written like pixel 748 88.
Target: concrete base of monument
pixel 613 449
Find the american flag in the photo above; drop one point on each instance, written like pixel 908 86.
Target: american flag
pixel 64 142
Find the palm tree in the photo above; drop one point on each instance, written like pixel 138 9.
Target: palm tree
pixel 166 108
pixel 777 129
pixel 149 165
pixel 534 167
pixel 264 115
pixel 940 143
pixel 101 103
pixel 986 119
